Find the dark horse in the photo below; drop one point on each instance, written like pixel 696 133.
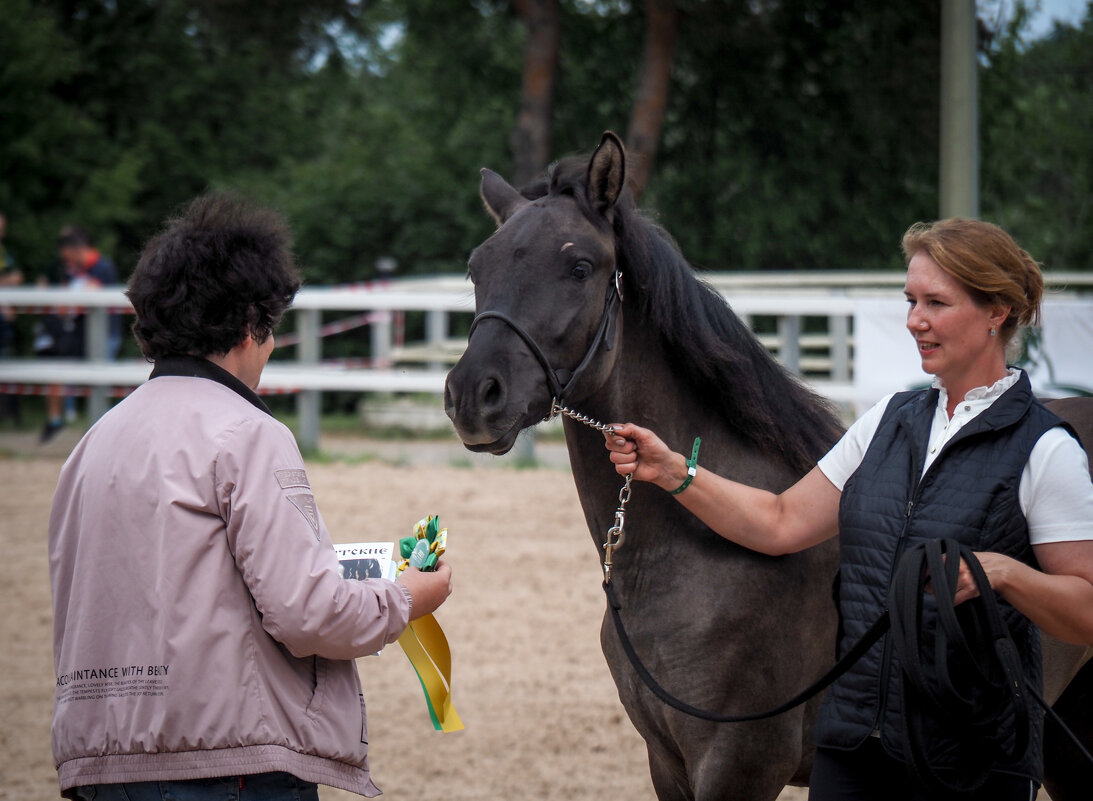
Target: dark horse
pixel 576 276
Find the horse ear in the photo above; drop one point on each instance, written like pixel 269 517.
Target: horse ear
pixel 606 172
pixel 500 198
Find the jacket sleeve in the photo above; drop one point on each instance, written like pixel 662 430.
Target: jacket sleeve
pixel 286 557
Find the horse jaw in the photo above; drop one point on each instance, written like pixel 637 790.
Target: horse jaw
pixel 480 440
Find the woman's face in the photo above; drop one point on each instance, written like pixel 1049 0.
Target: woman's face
pixel 952 330
pixel 255 356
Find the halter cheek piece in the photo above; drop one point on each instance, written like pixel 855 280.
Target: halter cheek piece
pixel 560 380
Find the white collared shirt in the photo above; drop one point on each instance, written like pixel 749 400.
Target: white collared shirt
pixel 1055 493
pixel 977 400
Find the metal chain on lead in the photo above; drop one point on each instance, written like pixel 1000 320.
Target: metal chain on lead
pixel 617 532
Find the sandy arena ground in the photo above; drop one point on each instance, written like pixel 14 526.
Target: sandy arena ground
pixel 542 715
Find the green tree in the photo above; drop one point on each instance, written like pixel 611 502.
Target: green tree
pixel 1037 154
pixel 49 150
pixel 797 134
pixel 117 112
pixel 400 143
pixel 800 135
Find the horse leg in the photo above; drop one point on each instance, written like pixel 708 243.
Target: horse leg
pixel 1061 662
pixel 1068 776
pixel 695 760
pixel 756 765
pixel 803 770
pixel 718 775
pixel 668 775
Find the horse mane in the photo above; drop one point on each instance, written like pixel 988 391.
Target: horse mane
pixel 710 346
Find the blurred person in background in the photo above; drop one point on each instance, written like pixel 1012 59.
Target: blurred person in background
pixel 63 334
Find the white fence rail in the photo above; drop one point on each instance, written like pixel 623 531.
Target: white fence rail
pixel 807 324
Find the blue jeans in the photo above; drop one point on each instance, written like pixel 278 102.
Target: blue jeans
pixel 259 787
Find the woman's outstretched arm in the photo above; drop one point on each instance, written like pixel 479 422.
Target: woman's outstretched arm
pixel 804 515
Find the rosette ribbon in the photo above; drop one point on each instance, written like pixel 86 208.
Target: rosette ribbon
pixel 423 641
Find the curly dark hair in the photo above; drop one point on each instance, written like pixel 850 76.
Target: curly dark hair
pixel 222 269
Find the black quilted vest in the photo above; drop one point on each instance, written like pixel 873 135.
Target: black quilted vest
pixel 969 494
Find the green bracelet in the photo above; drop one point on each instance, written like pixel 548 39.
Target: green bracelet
pixel 692 468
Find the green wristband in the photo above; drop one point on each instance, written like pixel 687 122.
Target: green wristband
pixel 692 468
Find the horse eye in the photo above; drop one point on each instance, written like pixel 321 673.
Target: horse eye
pixel 581 270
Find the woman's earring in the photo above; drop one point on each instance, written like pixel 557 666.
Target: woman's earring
pixel 994 331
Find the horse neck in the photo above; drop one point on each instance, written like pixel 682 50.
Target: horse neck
pixel 641 389
pixel 644 388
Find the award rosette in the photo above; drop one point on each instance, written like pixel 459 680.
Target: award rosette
pixel 423 641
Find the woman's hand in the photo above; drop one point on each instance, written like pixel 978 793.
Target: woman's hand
pixel 640 453
pixel 998 569
pixel 1058 598
pixel 429 590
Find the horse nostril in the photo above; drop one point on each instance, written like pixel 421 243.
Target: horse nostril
pixel 491 393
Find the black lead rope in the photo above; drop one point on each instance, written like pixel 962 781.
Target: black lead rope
pixel 978 680
pixel 978 674
pixel 875 632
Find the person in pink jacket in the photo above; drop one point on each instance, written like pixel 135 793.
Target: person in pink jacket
pixel 203 637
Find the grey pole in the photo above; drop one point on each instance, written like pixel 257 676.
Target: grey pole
pixel 958 186
pixel 308 401
pixel 97 332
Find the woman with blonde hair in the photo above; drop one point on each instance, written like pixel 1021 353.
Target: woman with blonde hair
pixel 976 458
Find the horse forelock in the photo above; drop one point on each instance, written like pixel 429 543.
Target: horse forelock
pixel 568 178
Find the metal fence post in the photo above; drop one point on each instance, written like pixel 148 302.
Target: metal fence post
pixel 436 331
pixel 309 401
pixel 789 334
pixel 97 330
pixel 838 328
pixel 381 339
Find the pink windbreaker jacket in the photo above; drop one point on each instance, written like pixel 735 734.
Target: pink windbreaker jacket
pixel 201 627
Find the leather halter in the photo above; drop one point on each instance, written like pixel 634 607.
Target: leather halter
pixel 560 380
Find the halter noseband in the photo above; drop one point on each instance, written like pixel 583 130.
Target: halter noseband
pixel 560 380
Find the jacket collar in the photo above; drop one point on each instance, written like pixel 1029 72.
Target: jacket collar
pixel 195 367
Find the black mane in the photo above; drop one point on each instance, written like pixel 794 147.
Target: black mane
pixel 708 342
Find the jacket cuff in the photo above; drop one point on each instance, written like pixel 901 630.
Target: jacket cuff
pixel 409 599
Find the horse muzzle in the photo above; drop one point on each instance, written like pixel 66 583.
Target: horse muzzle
pixel 486 413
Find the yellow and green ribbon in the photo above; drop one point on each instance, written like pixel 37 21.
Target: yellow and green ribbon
pixel 423 641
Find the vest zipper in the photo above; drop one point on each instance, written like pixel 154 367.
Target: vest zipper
pixel 886 655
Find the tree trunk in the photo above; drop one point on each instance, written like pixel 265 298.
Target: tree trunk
pixel 651 100
pixel 530 138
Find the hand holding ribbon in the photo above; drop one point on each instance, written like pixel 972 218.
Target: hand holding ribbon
pixel 423 641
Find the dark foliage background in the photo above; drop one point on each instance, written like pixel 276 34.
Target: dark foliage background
pixel 799 134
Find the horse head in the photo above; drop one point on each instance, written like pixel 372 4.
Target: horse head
pixel 547 292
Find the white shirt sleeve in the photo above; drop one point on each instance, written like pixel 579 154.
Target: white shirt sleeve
pixel 1056 492
pixel 845 457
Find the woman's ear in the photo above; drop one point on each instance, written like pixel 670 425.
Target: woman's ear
pixel 999 315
